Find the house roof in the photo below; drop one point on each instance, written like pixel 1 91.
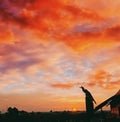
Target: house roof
pixel 112 101
pixel 116 100
pixel 118 93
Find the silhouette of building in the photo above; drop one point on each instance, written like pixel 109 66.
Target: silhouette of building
pixel 115 105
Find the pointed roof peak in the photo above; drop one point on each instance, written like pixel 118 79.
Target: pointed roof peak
pixel 118 93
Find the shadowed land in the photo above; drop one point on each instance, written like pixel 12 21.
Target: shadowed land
pixel 14 115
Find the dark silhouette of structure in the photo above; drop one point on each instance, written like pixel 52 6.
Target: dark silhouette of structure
pixel 89 102
pixel 114 103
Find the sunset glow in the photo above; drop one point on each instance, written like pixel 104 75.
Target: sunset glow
pixel 48 48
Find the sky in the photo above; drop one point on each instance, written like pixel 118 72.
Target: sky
pixel 49 48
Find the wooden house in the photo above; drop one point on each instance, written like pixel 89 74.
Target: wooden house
pixel 115 105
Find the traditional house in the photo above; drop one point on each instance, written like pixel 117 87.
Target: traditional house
pixel 115 105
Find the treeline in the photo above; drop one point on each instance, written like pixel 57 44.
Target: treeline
pixel 14 115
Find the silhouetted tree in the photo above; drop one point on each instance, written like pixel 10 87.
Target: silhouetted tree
pixel 13 111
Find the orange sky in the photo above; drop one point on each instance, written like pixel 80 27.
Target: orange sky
pixel 48 48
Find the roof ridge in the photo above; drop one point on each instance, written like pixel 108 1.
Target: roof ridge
pixel 118 93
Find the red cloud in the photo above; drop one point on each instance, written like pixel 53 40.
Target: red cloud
pixel 62 85
pixel 114 32
pixel 102 75
pixel 6 36
pixel 44 15
pixel 54 19
pixel 103 79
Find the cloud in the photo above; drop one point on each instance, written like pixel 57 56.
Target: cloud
pixel 62 85
pixel 34 63
pixel 6 36
pixel 62 22
pixel 102 7
pixel 104 80
pixel 17 56
pixel 113 32
pixel 113 85
pixel 49 18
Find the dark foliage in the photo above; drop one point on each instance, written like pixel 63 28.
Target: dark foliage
pixel 14 115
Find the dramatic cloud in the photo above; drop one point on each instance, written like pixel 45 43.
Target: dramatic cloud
pixel 43 17
pixel 113 32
